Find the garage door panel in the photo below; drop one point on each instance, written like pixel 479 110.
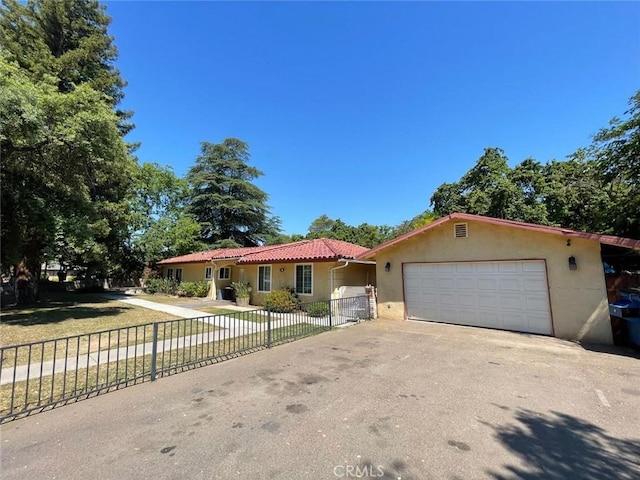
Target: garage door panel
pixel 430 283
pixel 487 284
pixel 465 283
pixel 448 283
pixel 465 268
pixel 511 295
pixel 511 284
pixel 488 319
pixel 535 285
pixel 512 302
pixel 537 303
pixel 485 267
pixel 448 299
pixel 446 267
pixel 534 266
pixel 469 300
pixel 509 267
pixel 490 302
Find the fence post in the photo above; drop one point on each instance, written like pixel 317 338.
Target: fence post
pixel 154 351
pixel 330 319
pixel 268 328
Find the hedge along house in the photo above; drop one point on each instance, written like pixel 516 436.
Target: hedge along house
pixel 314 269
pixel 480 271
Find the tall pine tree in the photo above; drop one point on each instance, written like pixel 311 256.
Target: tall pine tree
pixel 230 209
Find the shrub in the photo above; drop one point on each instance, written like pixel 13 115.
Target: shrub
pixel 194 289
pixel 281 300
pixel 241 289
pixel 318 309
pixel 161 285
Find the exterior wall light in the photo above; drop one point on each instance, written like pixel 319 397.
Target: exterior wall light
pixel 387 267
pixel 572 263
pixel 282 269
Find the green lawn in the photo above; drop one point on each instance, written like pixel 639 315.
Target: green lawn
pixel 250 316
pixel 218 311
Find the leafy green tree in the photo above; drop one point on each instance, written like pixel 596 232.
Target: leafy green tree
pixel 615 150
pixel 485 189
pixel 416 222
pixel 66 170
pixel 493 189
pixel 575 196
pixel 282 238
pixel 365 235
pixel 321 227
pixel 160 227
pixel 224 201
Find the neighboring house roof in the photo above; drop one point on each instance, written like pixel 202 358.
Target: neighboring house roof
pixel 321 249
pixel 605 239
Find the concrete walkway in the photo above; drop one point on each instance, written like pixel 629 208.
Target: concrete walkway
pixel 174 310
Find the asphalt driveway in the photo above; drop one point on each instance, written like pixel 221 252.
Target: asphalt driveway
pixel 383 399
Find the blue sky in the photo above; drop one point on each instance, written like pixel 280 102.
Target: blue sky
pixel 361 110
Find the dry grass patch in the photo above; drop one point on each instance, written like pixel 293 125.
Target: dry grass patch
pixel 82 382
pixel 68 315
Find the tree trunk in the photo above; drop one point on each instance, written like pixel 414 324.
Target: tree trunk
pixel 27 275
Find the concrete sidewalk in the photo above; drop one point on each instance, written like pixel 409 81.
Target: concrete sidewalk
pixel 159 307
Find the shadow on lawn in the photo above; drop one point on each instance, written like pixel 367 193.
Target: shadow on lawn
pixel 561 446
pixel 58 308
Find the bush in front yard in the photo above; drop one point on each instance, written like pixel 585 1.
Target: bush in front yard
pixel 193 289
pixel 318 309
pixel 161 285
pixel 281 301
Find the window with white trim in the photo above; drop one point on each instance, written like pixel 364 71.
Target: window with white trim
pixel 264 278
pixel 224 273
pixel 208 273
pixel 179 274
pixel 304 279
pixel 169 273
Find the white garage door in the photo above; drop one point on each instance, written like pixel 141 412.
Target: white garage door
pixel 509 295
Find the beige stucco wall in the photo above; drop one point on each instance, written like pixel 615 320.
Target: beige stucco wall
pixel 578 298
pixel 321 279
pixel 194 272
pixel 353 274
pixel 191 272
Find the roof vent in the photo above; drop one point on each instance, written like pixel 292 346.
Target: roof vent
pixel 460 230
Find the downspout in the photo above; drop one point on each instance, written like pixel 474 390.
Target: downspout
pixel 331 275
pixel 213 280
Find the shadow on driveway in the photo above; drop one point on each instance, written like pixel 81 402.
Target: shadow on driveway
pixel 561 446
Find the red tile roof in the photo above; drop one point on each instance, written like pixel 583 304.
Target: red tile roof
pixel 322 249
pixel 217 254
pixel 605 239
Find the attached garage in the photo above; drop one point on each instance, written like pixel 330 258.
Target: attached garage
pixel 480 271
pixel 509 295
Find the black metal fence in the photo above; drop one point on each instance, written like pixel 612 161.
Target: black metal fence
pixel 44 374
